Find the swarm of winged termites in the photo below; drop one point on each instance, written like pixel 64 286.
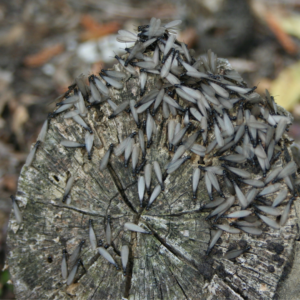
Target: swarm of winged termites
pixel 235 124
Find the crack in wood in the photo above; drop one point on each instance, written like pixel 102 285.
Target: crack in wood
pixel 159 135
pixel 156 281
pixel 129 274
pixel 172 249
pixel 182 289
pixel 176 214
pixel 120 189
pixel 78 210
pixel 236 290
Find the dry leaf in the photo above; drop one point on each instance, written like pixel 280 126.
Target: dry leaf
pixel 263 84
pixel 95 30
pixel 20 116
pixel 188 36
pixel 13 35
pixel 286 88
pixel 284 39
pixel 9 182
pixel 43 56
pixel 291 25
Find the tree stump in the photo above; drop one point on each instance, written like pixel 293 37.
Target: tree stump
pixel 171 263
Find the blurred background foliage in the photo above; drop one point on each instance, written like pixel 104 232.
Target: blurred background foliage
pixel 45 44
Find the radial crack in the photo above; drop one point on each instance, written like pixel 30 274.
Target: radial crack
pixel 84 212
pixel 171 248
pixel 118 184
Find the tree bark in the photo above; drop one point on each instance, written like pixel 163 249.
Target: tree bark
pixel 169 264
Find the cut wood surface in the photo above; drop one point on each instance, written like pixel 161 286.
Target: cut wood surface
pixel 170 263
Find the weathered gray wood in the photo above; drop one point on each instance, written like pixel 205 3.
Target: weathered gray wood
pixel 169 264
